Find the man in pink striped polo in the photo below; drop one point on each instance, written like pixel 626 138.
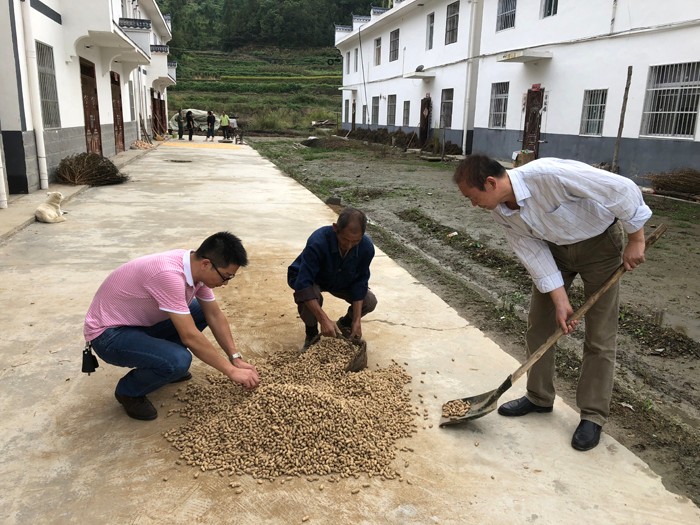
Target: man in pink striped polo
pixel 149 315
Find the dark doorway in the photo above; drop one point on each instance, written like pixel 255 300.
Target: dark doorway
pixel 533 119
pixel 426 110
pixel 91 108
pixel 118 113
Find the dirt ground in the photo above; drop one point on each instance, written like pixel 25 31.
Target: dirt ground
pixel 420 219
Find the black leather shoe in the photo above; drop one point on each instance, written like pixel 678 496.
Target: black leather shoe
pixel 521 407
pixel 138 407
pixel 587 435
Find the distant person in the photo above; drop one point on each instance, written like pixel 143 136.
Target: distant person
pixel 149 314
pixel 564 218
pixel 235 130
pixel 189 119
pixel 336 260
pixel 211 122
pixel 224 125
pixel 180 125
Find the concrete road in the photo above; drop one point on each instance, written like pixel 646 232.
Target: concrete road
pixel 71 455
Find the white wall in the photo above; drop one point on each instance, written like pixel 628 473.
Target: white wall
pixel 387 78
pixel 573 68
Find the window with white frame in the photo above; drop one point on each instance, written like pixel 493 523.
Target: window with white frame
pixel 347 110
pixel 429 31
pixel 451 23
pixel 394 45
pixel 375 111
pixel 377 51
pixel 505 18
pixel 347 62
pixel 671 101
pixel 391 110
pixel 593 113
pixel 356 58
pixel 499 105
pixel 549 8
pixel 406 111
pixel 47 86
pixel 364 114
pixel 446 108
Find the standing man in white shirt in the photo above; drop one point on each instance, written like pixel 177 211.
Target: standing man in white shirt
pixel 564 218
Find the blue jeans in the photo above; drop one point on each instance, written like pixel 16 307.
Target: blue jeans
pixel 155 353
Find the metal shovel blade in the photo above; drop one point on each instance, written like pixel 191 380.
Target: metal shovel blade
pixel 479 405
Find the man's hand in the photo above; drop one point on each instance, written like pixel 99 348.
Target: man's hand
pixel 329 328
pixel 356 331
pixel 563 310
pixel 247 377
pixel 633 255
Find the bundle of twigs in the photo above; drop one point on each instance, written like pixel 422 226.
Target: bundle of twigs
pixel 682 180
pixel 89 169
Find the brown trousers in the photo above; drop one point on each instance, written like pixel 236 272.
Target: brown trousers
pixel 368 305
pixel 594 260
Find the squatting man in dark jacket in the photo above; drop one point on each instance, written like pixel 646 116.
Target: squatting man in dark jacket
pixel 564 218
pixel 336 260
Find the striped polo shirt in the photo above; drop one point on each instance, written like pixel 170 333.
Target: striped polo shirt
pixel 142 292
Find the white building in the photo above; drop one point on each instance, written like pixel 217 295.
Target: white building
pixel 544 75
pixel 78 75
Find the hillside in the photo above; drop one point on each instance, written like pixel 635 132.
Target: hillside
pixel 268 88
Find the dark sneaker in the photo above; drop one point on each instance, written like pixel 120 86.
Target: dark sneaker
pixel 345 326
pixel 311 337
pixel 186 377
pixel 138 407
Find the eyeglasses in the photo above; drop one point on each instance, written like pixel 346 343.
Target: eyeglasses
pixel 224 279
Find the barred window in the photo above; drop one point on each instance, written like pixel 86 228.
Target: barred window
pixel 446 108
pixel 506 14
pixel 391 110
pixel 347 110
pixel 593 112
pixel 377 51
pixel 364 113
pixel 347 62
pixel 406 111
pixel 549 8
pixel 499 105
pixel 394 45
pixel 47 86
pixel 356 59
pixel 671 102
pixel 430 31
pixel 375 111
pixel 451 23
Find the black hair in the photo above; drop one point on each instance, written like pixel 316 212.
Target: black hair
pixel 352 216
pixel 474 170
pixel 223 249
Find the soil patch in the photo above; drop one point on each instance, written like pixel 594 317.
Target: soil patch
pixel 419 218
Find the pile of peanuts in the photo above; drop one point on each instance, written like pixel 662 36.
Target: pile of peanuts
pixel 455 409
pixel 308 417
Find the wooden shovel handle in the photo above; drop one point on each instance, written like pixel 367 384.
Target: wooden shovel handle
pixel 578 314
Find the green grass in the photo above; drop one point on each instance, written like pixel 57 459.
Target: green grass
pixel 268 89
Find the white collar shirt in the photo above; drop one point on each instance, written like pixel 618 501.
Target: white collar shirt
pixel 564 202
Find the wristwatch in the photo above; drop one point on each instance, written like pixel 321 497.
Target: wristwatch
pixel 237 355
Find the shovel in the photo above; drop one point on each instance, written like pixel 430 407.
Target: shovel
pixel 483 404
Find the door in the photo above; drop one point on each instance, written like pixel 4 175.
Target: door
pixel 354 113
pixel 91 109
pixel 533 119
pixel 117 112
pixel 426 109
